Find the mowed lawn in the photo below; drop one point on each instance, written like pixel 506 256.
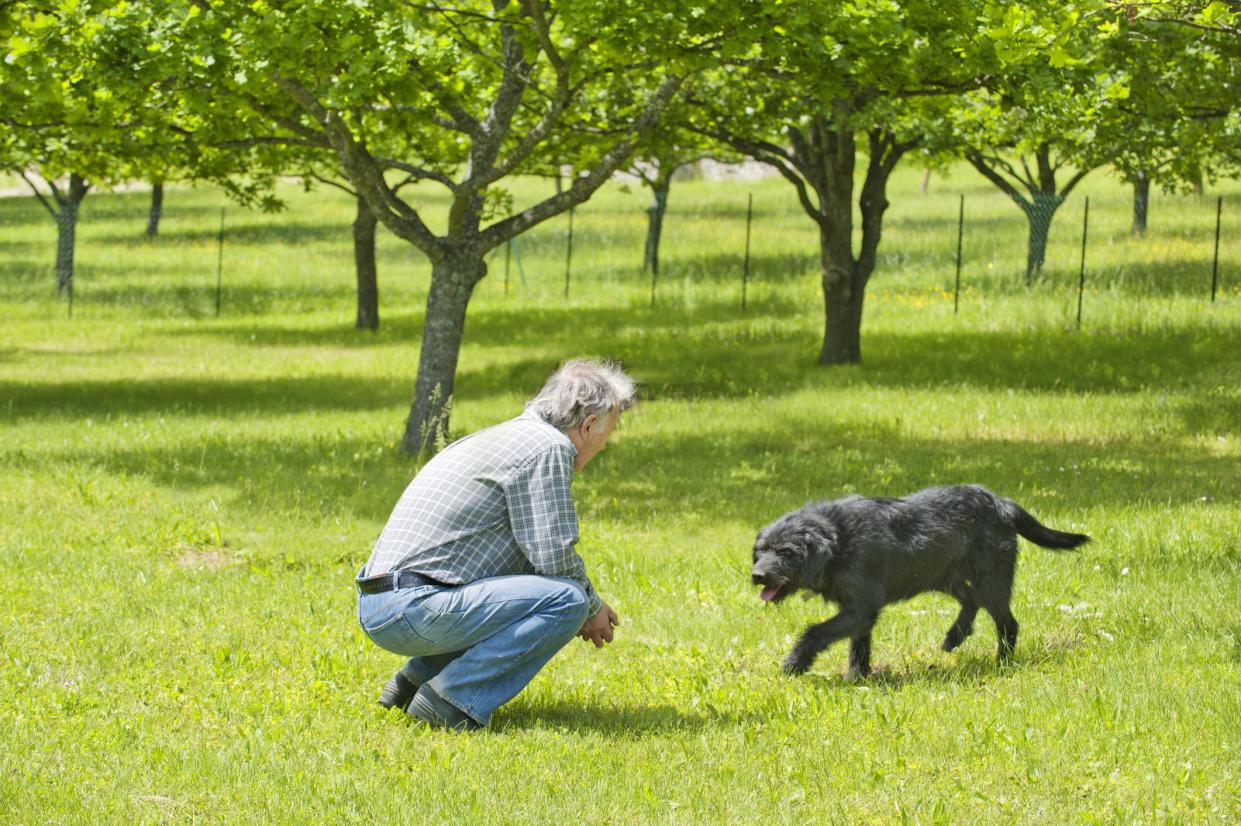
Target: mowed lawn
pixel 185 500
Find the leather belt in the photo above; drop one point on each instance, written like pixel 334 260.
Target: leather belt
pixel 393 581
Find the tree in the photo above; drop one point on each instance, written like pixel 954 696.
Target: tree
pixel 1183 113
pixel 826 83
pixel 656 161
pixel 1048 119
pixel 64 122
pixel 1038 192
pixel 480 89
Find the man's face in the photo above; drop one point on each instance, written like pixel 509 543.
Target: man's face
pixel 591 436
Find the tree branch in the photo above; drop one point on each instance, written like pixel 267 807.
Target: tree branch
pixel 582 187
pixel 980 163
pixel 55 215
pixel 365 173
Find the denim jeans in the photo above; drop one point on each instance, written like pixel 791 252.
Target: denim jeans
pixel 476 645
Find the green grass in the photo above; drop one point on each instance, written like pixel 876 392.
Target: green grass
pixel 186 500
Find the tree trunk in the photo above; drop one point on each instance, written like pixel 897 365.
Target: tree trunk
pixel 842 330
pixel 655 222
pixel 157 209
pixel 1141 201
pixel 452 282
pixel 364 263
pixel 845 277
pixel 1039 213
pixel 66 232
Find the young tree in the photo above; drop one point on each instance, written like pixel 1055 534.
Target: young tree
pixel 1044 122
pixel 662 154
pixel 63 129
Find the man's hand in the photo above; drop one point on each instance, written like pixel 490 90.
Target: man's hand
pixel 598 629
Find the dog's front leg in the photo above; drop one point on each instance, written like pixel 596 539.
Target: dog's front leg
pixel 820 635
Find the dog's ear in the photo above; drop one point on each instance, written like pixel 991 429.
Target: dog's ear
pixel 820 539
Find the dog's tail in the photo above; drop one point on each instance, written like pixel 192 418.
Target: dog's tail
pixel 1037 532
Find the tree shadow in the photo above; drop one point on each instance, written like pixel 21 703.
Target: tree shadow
pixel 240 232
pixel 204 396
pixel 755 476
pixel 642 721
pixel 748 476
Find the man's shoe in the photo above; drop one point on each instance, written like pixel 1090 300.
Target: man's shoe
pixel 397 692
pixel 436 712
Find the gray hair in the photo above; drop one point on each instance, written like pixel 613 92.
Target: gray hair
pixel 582 388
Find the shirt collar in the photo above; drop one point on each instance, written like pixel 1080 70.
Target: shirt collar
pixel 562 437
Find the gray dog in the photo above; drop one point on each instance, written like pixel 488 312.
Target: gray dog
pixel 864 553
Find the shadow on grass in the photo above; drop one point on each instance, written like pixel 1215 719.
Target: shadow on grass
pixel 653 481
pixel 208 397
pixel 627 721
pixel 672 361
pixel 715 351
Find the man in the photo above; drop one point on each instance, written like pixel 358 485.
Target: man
pixel 475 576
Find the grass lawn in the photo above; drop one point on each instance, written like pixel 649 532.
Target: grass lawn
pixel 186 498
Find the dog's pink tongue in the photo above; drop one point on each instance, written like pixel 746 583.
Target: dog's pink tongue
pixel 769 593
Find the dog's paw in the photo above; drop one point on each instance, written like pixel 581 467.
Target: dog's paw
pixel 793 665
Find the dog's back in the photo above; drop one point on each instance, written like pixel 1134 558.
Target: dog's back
pixel 936 537
pixel 958 510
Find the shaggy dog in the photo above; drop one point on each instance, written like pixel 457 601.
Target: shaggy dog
pixel 864 553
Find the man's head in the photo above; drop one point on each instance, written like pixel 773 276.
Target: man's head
pixel 584 399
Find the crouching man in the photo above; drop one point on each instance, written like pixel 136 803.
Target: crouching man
pixel 475 577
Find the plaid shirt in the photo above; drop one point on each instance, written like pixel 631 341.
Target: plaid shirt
pixel 496 502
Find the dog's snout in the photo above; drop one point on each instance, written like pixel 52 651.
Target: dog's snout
pixel 756 578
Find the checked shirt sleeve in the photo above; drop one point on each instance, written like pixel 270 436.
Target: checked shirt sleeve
pixel 544 520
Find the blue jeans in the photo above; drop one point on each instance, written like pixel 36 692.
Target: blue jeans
pixel 476 645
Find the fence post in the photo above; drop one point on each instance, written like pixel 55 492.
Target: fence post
pixel 956 293
pixel 745 270
pixel 568 254
pixel 219 264
pixel 1219 209
pixel 1081 279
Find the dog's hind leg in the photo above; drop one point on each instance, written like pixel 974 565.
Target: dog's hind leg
pixel 994 599
pixel 961 628
pixel 1006 630
pixel 859 656
pixel 847 624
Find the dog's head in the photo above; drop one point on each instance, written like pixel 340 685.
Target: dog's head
pixel 792 553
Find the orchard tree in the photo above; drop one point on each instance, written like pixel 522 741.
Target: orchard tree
pixel 64 128
pixel 479 92
pixel 1048 119
pixel 662 154
pixel 827 83
pixel 1183 113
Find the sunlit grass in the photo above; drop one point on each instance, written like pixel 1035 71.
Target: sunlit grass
pixel 186 499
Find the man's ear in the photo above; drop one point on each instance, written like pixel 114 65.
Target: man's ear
pixel 820 540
